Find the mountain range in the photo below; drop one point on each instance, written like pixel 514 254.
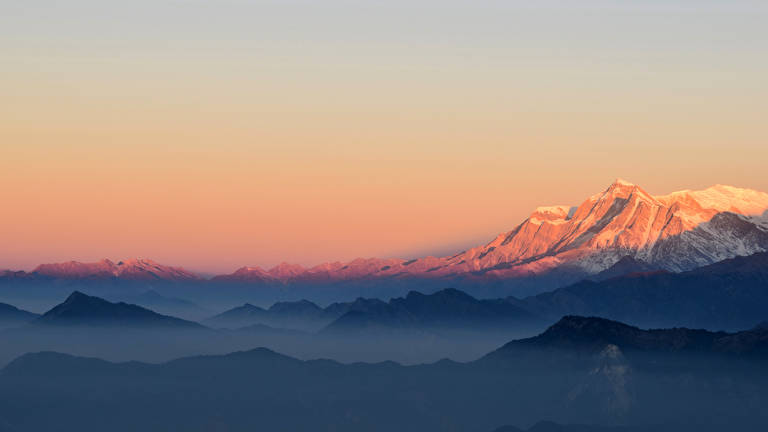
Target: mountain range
pixel 298 315
pixel 728 295
pixel 447 309
pixel 130 269
pixel 580 370
pixel 553 247
pixel 675 232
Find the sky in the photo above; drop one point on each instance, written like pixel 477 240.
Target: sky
pixel 217 134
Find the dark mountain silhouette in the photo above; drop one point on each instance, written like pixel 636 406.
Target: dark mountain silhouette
pixel 445 309
pixel 11 315
pixel 684 380
pixel 83 310
pixel 592 334
pixel 730 295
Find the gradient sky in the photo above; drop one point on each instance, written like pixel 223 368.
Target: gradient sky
pixel 215 134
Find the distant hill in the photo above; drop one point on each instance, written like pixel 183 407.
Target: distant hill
pixel 83 310
pixel 298 315
pixel 448 309
pixel 166 305
pixel 591 334
pixel 12 316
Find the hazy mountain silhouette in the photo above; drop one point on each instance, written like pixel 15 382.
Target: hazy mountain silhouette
pixel 591 334
pixel 11 315
pixel 83 310
pixel 445 309
pixel 732 294
pixel 580 371
pixel 300 315
pixel 166 305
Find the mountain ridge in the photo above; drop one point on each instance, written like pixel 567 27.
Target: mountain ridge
pixel 83 310
pixel 674 232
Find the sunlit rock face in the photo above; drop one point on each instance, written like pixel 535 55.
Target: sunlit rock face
pixel 678 231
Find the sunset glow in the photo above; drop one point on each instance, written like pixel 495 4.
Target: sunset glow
pixel 254 135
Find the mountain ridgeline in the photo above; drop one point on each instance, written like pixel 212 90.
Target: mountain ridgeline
pixel 83 310
pixel 729 295
pixel 448 309
pixel 620 229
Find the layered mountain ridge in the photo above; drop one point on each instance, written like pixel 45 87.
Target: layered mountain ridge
pixel 580 370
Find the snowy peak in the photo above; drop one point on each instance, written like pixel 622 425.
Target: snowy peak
pixel 552 214
pixel 130 269
pixel 622 220
pixel 286 270
pixel 722 198
pixel 622 182
pixel 678 231
pixel 247 274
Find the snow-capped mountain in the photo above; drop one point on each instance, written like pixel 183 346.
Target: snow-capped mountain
pixel 130 269
pixel 675 232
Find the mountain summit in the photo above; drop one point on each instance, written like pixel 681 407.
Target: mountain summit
pixel 675 232
pixel 83 310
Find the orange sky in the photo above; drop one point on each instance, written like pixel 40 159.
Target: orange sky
pixel 365 134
